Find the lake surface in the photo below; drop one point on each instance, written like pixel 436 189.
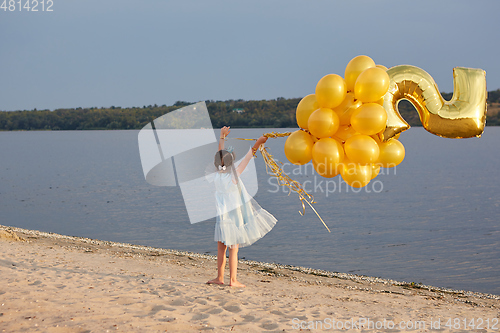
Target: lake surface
pixel 433 220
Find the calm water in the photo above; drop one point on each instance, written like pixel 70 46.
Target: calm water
pixel 436 221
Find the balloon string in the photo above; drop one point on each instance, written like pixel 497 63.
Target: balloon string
pixel 283 179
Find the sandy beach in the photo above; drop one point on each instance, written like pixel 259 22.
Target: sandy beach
pixel 56 283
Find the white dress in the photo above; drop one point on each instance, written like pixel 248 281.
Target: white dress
pixel 240 219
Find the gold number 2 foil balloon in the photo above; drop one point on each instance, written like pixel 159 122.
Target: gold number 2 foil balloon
pixel 464 116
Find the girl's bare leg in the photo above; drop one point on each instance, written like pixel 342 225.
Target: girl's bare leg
pixel 233 267
pixel 221 264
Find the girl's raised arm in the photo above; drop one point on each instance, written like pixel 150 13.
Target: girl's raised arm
pixel 224 131
pixel 241 167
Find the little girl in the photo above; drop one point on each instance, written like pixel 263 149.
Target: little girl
pixel 240 220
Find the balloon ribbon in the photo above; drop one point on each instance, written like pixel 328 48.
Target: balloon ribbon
pixel 272 167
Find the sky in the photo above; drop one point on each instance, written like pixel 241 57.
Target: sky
pixel 94 53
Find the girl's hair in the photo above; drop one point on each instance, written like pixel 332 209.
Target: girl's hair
pixel 224 158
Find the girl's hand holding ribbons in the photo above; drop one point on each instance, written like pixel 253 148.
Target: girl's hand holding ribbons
pixel 260 141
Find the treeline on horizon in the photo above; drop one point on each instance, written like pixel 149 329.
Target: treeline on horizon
pixel 277 113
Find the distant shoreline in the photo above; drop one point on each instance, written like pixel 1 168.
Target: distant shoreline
pixel 276 113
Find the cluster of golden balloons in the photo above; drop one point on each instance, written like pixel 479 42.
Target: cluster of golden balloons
pixel 341 125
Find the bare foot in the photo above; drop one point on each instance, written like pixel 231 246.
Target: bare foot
pixel 215 281
pixel 236 284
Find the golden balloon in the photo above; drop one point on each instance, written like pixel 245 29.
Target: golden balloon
pixel 392 153
pixel 346 103
pixel 323 123
pixel 346 108
pixel 361 149
pixel 355 67
pixel 371 85
pixel 369 119
pixel 324 171
pixel 377 137
pixel 354 174
pixel 382 67
pixel 464 116
pixel 327 153
pixel 344 132
pixel 330 91
pixel 375 169
pixel 307 105
pixel 298 147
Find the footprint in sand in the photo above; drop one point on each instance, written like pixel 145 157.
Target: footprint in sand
pixel 232 308
pixel 168 288
pixel 269 326
pixel 278 313
pixel 167 319
pixel 200 316
pixel 156 309
pixel 201 301
pixel 36 283
pixel 179 302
